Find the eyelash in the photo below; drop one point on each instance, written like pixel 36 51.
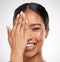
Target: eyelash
pixel 36 29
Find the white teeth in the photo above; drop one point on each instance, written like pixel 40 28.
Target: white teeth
pixel 30 45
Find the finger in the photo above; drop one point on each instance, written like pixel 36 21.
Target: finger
pixel 23 24
pixel 15 24
pixel 19 22
pixel 22 31
pixel 15 21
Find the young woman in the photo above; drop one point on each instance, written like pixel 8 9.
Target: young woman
pixel 30 28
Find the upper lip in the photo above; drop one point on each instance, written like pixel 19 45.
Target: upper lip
pixel 31 42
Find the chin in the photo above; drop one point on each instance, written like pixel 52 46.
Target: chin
pixel 30 54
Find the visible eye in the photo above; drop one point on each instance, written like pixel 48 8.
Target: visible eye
pixel 35 29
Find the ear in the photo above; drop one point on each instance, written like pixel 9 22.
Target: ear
pixel 47 31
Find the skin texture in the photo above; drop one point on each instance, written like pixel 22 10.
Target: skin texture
pixel 28 27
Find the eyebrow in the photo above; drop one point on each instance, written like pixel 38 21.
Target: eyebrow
pixel 35 24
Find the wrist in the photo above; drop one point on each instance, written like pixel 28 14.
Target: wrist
pixel 17 52
pixel 16 56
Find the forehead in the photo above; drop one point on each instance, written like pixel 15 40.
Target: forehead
pixel 33 17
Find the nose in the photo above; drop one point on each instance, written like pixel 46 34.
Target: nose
pixel 29 35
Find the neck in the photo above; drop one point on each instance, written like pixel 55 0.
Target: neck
pixel 36 58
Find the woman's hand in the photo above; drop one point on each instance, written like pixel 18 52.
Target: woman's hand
pixel 17 37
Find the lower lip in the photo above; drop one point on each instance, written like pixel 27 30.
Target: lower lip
pixel 30 48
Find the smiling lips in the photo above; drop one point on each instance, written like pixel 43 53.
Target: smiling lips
pixel 30 46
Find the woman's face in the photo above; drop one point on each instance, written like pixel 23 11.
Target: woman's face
pixel 36 34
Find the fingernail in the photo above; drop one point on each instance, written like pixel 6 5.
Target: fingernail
pixel 21 12
pixel 18 15
pixel 23 15
pixel 7 28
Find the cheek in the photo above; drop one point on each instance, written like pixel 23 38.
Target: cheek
pixel 39 35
